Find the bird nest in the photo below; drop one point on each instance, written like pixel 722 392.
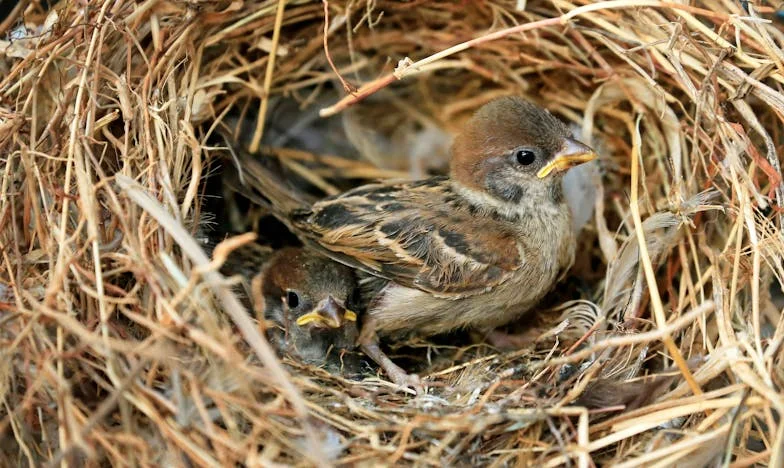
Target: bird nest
pixel 121 343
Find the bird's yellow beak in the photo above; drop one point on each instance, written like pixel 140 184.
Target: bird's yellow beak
pixel 327 314
pixel 572 154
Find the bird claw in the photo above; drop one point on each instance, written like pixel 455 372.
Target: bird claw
pixel 406 381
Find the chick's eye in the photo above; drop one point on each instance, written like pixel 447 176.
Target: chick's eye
pixel 292 299
pixel 525 157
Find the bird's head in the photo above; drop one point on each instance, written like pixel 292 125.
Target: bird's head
pixel 513 150
pixel 308 292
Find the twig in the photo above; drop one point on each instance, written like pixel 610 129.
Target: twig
pixel 405 70
pixel 346 86
pixel 262 117
pixel 650 275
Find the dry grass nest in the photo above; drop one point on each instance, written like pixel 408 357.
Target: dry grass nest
pixel 120 344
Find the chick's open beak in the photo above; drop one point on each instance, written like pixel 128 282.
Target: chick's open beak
pixel 572 154
pixel 327 314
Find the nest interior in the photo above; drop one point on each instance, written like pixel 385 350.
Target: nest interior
pixel 120 343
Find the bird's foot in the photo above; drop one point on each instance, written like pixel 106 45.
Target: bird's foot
pixel 405 380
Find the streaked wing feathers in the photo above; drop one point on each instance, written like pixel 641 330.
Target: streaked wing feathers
pixel 426 239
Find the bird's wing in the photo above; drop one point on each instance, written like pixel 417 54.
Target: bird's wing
pixel 417 234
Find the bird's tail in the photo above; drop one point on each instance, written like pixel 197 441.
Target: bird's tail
pixel 261 180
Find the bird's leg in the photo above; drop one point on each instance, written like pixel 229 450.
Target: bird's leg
pixel 395 372
pixel 368 342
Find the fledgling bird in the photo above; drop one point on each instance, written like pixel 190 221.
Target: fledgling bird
pixel 307 298
pixel 475 249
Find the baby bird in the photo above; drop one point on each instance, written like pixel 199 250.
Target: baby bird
pixel 475 249
pixel 306 297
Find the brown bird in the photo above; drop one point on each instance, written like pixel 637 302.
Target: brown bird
pixel 475 249
pixel 306 297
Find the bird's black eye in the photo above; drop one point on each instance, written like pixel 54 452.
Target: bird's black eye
pixel 292 299
pixel 525 157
